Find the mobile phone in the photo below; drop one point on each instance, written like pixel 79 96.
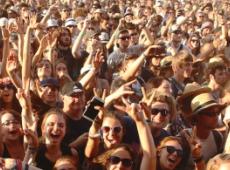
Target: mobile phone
pixel 90 112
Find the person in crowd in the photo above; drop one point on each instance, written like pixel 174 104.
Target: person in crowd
pixel 161 68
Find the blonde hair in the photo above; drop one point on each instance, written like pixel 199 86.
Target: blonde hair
pixel 181 57
pixel 215 162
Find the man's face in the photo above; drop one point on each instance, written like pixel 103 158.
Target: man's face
pixel 206 31
pixel 123 40
pixel 208 118
pixel 65 13
pixel 50 94
pixel 176 36
pixel 75 103
pixel 187 67
pixel 220 76
pixel 65 39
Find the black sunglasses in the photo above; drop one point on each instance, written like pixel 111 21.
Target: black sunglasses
pixel 8 86
pixel 133 34
pixel 171 150
pixel 124 38
pixel 163 112
pixel 125 162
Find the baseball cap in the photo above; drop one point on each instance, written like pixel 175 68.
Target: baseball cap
pixel 52 23
pixel 49 82
pixel 70 22
pixel 71 88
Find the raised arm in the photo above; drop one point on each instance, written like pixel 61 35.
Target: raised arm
pixel 146 140
pixel 96 64
pixel 78 41
pixel 26 65
pixel 12 67
pixel 131 71
pixel 5 38
pixel 92 145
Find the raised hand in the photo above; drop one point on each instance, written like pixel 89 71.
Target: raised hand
pixel 125 89
pixel 11 64
pixel 23 99
pixel 194 144
pixel 98 59
pixel 33 21
pixel 146 99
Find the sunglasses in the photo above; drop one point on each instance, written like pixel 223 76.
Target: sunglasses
pixel 116 160
pixel 8 86
pixel 163 112
pixel 177 32
pixel 8 123
pixel 125 38
pixel 171 150
pixel 133 34
pixel 107 129
pixel 195 40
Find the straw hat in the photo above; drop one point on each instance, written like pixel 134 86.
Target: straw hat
pixel 204 101
pixel 191 90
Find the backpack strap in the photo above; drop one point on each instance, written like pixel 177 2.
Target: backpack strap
pixel 218 140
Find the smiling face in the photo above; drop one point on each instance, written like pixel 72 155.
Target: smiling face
pixel 10 127
pixel 159 120
pixel 112 131
pixel 170 158
pixel 53 128
pixel 74 104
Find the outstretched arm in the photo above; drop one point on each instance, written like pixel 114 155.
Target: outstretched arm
pixel 145 136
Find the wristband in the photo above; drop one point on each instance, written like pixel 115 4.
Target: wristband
pixel 94 136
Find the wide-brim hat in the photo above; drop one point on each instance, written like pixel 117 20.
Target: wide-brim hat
pixel 191 90
pixel 205 101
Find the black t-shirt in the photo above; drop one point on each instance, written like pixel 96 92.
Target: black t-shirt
pixel 75 128
pixel 74 65
pixel 43 162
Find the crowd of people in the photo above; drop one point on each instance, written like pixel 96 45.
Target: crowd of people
pixel 156 74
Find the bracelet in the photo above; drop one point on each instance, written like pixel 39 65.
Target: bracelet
pixel 197 160
pixel 94 136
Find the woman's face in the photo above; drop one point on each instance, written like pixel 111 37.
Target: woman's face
pixel 7 92
pixel 112 131
pixel 10 127
pixel 119 160
pixel 44 69
pixel 54 129
pixel 170 155
pixel 160 114
pixel 61 70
